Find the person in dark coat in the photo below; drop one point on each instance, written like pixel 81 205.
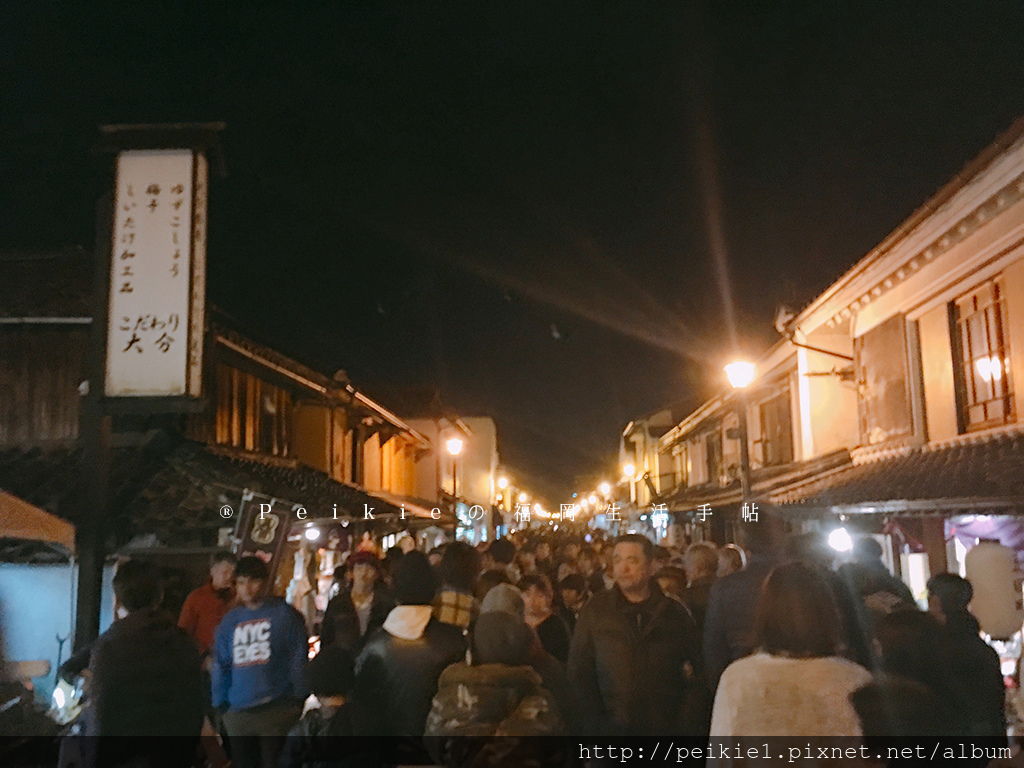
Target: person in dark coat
pixel 539 597
pixel 869 579
pixel 397 671
pixel 701 565
pixel 633 652
pixel 573 595
pixel 146 679
pixel 321 739
pixel 353 614
pixel 591 567
pixel 732 603
pixel 975 664
pixel 507 598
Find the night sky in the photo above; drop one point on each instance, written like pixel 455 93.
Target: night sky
pixel 511 201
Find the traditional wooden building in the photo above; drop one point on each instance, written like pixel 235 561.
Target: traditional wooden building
pixel 890 402
pixel 269 424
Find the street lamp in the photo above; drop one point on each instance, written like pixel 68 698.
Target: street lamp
pixel 628 470
pixel 741 374
pixel 503 483
pixel 604 488
pixel 454 446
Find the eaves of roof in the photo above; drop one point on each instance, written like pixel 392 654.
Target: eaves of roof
pixel 982 471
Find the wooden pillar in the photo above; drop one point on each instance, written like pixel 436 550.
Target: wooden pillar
pixel 94 436
pixel 934 540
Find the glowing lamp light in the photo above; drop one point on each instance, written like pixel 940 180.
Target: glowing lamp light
pixel 585 503
pixel 740 374
pixel 522 498
pixel 454 446
pixel 592 499
pixel 628 470
pixel 840 540
pixel 503 483
pixel 989 368
pixel 604 488
pixel 312 534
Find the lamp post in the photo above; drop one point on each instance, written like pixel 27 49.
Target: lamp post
pixel 454 446
pixel 741 374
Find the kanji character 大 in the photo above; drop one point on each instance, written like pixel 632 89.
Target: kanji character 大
pixel 133 342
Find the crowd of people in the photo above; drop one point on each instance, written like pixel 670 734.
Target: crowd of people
pixel 550 635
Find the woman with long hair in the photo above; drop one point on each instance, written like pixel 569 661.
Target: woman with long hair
pixel 796 682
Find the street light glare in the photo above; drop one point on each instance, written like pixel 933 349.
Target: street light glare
pixel 840 540
pixel 503 483
pixel 522 498
pixel 592 499
pixel 604 488
pixel 740 374
pixel 454 446
pixel 312 534
pixel 628 470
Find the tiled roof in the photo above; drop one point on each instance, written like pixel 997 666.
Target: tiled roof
pixel 764 483
pixel 984 471
pixel 54 283
pixel 177 495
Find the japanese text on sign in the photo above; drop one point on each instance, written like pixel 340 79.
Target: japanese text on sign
pixel 152 316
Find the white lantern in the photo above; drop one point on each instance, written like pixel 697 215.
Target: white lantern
pixel 991 569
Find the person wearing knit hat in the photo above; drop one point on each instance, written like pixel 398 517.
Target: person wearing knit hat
pixel 501 638
pixel 507 599
pixel 504 597
pixel 354 613
pixel 397 671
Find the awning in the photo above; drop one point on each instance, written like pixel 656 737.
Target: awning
pixel 980 474
pixel 21 520
pixel 416 508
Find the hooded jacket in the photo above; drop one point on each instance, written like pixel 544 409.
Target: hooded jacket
pixel 490 715
pixel 492 700
pixel 398 669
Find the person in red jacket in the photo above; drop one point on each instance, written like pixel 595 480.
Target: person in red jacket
pixel 205 607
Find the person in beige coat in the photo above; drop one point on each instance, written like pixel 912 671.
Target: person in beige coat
pixel 795 683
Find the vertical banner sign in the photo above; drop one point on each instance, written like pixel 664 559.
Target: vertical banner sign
pixel 263 525
pixel 197 318
pixel 157 275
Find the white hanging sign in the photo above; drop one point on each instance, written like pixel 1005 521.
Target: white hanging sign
pixel 157 275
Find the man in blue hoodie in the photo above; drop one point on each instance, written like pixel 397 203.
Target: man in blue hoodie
pixel 260 653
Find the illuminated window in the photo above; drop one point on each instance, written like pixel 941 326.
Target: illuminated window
pixel 982 347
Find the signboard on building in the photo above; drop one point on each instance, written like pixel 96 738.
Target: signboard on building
pixel 263 525
pixel 157 275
